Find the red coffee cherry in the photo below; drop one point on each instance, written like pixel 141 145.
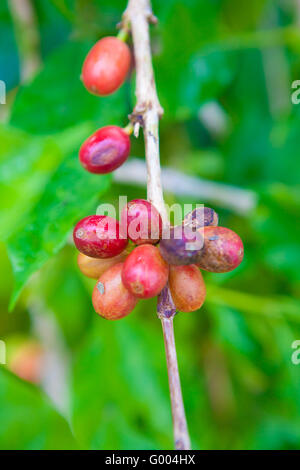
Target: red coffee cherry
pixel 105 150
pixel 182 246
pixel 223 250
pixel 145 273
pixel 142 222
pixel 110 298
pixel 201 217
pixel 187 287
pixel 98 236
pixel 106 66
pixel 95 267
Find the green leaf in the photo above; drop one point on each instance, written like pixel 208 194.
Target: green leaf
pixel 273 307
pixel 63 284
pixel 69 195
pixel 206 76
pixel 119 399
pixel 285 258
pixel 26 165
pixel 54 25
pixel 56 98
pixel 9 61
pixel 198 74
pixel 233 330
pixel 28 421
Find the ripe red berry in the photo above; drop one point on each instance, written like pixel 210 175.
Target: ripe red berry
pixel 201 217
pixel 95 267
pixel 182 246
pixel 98 236
pixel 106 66
pixel 145 273
pixel 105 150
pixel 187 287
pixel 141 221
pixel 110 298
pixel 223 250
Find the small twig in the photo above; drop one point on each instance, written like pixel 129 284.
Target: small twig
pixel 146 114
pixel 240 200
pixel 147 110
pixel 166 311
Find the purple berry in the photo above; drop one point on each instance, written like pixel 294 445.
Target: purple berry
pixel 181 246
pixel 201 217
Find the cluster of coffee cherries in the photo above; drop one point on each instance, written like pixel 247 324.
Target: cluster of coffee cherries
pixel 136 258
pixel 132 260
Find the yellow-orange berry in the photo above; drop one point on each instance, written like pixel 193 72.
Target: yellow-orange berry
pixel 95 267
pixel 110 297
pixel 187 287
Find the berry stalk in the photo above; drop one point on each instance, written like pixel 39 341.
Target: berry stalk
pixel 146 114
pixel 147 110
pixel 181 435
pixel 166 311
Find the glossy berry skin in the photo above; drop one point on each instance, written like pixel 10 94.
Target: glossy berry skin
pixel 201 217
pixel 106 66
pixel 183 246
pixel 145 273
pixel 105 150
pixel 110 298
pixel 187 287
pixel 142 222
pixel 98 236
pixel 223 250
pixel 95 267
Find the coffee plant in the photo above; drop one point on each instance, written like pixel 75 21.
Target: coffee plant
pixel 141 146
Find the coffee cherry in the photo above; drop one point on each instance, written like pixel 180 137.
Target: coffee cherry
pixel 105 150
pixel 182 247
pixel 27 362
pixel 223 250
pixel 141 221
pixel 145 273
pixel 187 287
pixel 110 298
pixel 201 217
pixel 95 267
pixel 106 66
pixel 98 236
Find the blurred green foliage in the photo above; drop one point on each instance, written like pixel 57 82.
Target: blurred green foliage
pixel 240 387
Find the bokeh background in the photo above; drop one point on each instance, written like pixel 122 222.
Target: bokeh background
pixel 230 135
